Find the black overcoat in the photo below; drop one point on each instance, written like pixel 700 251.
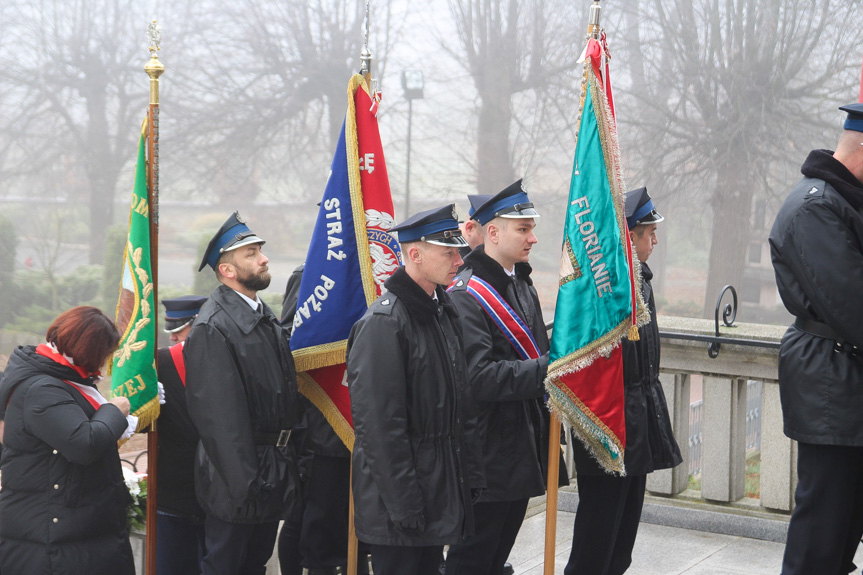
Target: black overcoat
pixel 415 454
pixel 650 442
pixel 817 249
pixel 509 391
pixel 63 504
pixel 241 384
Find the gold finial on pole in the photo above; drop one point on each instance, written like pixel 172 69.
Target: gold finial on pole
pixel 366 55
pixel 593 20
pixel 154 67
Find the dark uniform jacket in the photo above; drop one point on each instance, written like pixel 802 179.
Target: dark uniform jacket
pixel 241 391
pixel 509 391
pixel 817 249
pixel 415 458
pixel 63 503
pixel 650 443
pixel 178 441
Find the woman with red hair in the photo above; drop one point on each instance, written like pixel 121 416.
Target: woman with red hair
pixel 63 502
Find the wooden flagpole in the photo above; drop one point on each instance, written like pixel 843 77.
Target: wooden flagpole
pixel 551 493
pixel 154 69
pixel 554 425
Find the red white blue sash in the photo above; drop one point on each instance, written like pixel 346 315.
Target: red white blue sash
pixel 512 326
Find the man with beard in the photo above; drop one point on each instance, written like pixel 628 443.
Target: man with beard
pixel 242 395
pixel 816 245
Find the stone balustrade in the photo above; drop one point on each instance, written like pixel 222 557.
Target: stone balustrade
pixel 724 412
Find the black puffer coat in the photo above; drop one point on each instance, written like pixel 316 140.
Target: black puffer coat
pixel 240 384
pixel 509 391
pixel 650 443
pixel 817 248
pixel 63 503
pixel 415 457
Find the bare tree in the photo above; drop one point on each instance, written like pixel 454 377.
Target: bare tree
pixel 729 96
pixel 276 87
pixel 509 47
pixel 72 70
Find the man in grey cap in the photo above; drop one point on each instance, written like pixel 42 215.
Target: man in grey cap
pixel 816 245
pixel 242 395
pixel 416 463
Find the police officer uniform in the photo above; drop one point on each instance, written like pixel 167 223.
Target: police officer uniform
pixel 509 391
pixel 609 508
pixel 180 520
pixel 415 460
pixel 816 245
pixel 242 397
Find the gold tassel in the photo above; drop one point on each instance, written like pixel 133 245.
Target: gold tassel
pixel 633 333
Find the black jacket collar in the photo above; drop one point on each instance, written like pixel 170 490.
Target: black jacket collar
pixel 821 164
pixel 239 310
pixel 485 267
pixel 421 307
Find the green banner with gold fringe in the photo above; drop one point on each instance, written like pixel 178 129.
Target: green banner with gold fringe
pixel 133 370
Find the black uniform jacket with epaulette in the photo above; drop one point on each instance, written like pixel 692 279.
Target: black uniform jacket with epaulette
pixel 817 249
pixel 241 387
pixel 650 442
pixel 415 457
pixel 509 391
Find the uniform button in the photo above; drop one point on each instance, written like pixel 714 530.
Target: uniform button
pixel 56 486
pixel 56 520
pixel 54 452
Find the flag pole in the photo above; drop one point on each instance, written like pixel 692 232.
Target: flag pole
pixel 353 542
pixel 154 68
pixel 554 422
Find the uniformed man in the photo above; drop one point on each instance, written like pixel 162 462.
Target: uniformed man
pixel 495 295
pixel 242 394
pixel 817 249
pixel 180 520
pixel 416 464
pixel 609 507
pixel 471 230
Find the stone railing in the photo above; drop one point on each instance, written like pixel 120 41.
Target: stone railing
pixel 724 411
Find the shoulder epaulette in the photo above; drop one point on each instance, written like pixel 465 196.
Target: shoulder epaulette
pixel 384 305
pixel 459 283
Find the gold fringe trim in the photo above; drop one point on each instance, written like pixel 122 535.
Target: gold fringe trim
pixel 319 356
pixel 603 445
pixel 310 388
pixel 583 357
pixel 352 149
pixel 633 333
pixel 147 414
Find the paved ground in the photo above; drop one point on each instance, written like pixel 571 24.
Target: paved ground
pixel 659 550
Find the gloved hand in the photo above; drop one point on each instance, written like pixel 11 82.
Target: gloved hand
pixel 415 522
pixel 161 393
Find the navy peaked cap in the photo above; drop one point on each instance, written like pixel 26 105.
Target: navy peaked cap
pixel 854 121
pixel 639 208
pixel 436 226
pixel 511 202
pixel 179 311
pixel 476 201
pixel 233 234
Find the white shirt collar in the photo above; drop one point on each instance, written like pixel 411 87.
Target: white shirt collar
pixel 510 273
pixel 253 303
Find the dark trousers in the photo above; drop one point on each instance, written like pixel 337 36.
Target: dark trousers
pixel 237 548
pixel 394 560
pixel 827 522
pixel 606 523
pixel 484 553
pixel 179 545
pixel 319 538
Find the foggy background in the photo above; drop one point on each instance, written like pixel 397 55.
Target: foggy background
pixel 718 104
